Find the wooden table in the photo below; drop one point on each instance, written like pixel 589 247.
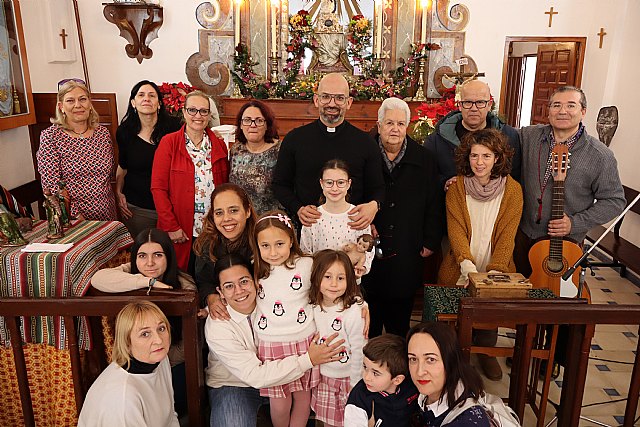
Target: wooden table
pixel 96 244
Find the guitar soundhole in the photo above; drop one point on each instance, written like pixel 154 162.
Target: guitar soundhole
pixel 555 266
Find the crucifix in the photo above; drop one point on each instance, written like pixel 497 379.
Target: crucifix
pixel 550 13
pixel 64 36
pixel 601 34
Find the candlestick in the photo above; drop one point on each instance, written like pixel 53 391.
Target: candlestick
pixel 237 22
pixel 274 28
pixel 423 32
pixel 379 28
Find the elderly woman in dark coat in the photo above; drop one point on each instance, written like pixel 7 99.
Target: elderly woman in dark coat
pixel 410 222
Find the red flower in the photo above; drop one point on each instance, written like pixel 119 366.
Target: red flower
pixel 303 12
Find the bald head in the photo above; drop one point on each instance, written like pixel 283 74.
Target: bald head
pixel 475 103
pixel 334 83
pixel 332 99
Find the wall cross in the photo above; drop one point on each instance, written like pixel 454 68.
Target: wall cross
pixel 550 13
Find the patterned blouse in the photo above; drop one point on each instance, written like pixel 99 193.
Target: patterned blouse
pixel 203 180
pixel 86 165
pixel 254 173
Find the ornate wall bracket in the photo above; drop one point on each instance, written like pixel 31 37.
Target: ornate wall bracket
pixel 138 24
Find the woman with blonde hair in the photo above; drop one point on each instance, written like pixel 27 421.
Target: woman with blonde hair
pixel 135 389
pixel 188 165
pixel 77 151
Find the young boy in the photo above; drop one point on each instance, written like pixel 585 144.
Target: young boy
pixel 385 393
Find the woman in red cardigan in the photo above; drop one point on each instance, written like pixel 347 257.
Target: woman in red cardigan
pixel 187 166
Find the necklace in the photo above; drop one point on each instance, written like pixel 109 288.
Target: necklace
pixel 80 134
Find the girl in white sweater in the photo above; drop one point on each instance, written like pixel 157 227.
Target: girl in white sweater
pixel 337 305
pixel 284 318
pixel 332 230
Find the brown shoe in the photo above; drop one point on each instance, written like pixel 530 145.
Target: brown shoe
pixel 490 367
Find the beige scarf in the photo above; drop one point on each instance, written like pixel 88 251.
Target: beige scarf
pixel 484 193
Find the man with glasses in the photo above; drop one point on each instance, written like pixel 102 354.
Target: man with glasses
pixel 593 175
pixel 307 148
pixel 474 113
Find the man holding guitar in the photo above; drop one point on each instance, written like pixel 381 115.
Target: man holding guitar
pixel 563 202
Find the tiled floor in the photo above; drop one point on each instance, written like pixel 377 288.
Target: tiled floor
pixel 611 359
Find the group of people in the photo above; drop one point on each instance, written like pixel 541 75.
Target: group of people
pixel 281 324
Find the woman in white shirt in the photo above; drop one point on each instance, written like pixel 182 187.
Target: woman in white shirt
pixel 234 373
pixel 135 389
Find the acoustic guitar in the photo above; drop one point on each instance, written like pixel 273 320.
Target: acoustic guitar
pixel 551 257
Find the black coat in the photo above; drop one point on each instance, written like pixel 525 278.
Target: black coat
pixel 411 217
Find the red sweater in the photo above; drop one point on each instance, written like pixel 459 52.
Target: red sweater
pixel 173 187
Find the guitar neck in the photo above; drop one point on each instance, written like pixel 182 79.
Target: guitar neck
pixel 557 212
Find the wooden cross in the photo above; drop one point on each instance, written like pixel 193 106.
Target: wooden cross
pixel 64 36
pixel 601 34
pixel 550 13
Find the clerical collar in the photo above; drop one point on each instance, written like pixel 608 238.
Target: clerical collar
pixel 138 367
pixel 332 131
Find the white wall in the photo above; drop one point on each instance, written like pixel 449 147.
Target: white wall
pixel 608 75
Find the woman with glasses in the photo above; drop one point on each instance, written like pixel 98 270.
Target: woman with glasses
pixel 188 165
pixel 76 151
pixel 234 373
pixel 141 129
pixel 484 206
pixel 253 157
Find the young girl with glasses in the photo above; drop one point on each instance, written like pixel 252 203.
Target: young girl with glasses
pixel 332 230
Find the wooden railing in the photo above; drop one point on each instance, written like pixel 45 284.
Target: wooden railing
pixel 581 319
pixel 177 303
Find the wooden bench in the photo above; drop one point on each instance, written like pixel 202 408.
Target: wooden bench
pixel 178 303
pixel 624 254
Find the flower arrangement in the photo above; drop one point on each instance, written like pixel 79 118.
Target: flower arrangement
pixel 405 76
pixel 243 73
pixel 429 113
pixel 359 38
pixel 300 30
pixel 173 95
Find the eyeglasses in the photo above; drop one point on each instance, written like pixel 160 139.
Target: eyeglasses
pixel 479 104
pixel 193 111
pixel 569 106
pixel 258 121
pixel 326 98
pixel 243 283
pixel 73 79
pixel 328 183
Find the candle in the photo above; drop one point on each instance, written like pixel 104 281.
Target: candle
pixel 237 23
pixel 379 29
pixel 274 27
pixel 423 33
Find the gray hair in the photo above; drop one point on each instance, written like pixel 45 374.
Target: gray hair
pixel 561 89
pixel 393 104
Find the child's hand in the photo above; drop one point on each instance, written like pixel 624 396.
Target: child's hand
pixel 359 271
pixel 325 352
pixel 217 309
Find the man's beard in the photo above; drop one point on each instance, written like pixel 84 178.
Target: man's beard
pixel 332 119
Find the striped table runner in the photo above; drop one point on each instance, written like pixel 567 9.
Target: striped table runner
pixel 47 274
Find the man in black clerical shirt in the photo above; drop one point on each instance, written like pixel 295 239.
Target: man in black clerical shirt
pixel 307 148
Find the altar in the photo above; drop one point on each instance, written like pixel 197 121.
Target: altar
pixel 291 113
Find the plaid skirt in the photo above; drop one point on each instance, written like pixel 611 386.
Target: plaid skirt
pixel 329 398
pixel 268 350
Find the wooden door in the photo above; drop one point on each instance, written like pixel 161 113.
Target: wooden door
pixel 556 66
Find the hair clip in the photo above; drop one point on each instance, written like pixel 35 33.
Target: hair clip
pixel 280 217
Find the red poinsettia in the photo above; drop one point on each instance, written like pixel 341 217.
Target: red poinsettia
pixel 429 113
pixel 173 95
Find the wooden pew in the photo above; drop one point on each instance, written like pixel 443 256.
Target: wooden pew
pixel 177 303
pixel 624 254
pixel 527 315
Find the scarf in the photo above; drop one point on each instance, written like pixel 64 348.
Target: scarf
pixel 484 193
